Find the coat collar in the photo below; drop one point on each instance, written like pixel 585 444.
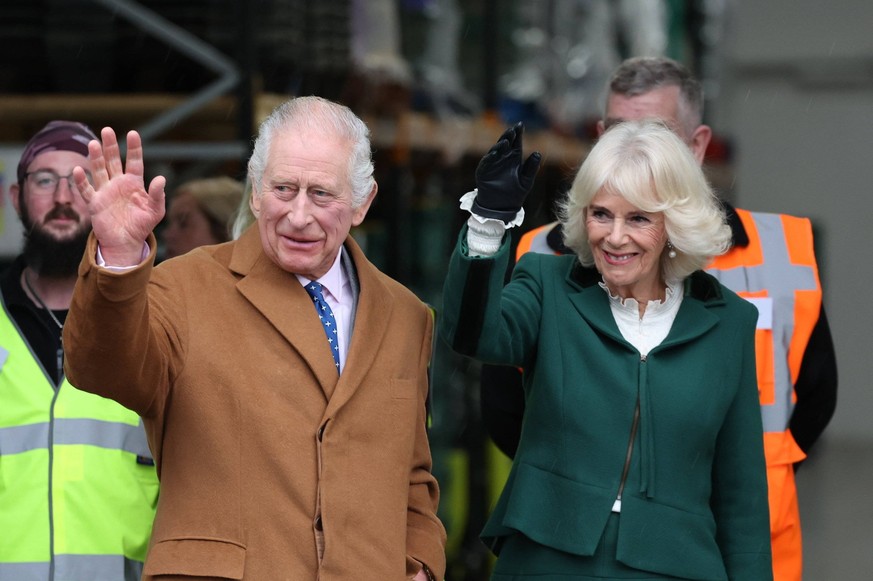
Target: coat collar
pixel 702 292
pixel 280 298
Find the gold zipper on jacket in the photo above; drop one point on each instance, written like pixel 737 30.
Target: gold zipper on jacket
pixel 630 444
pixel 630 449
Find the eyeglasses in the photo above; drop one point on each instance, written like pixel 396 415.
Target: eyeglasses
pixel 45 182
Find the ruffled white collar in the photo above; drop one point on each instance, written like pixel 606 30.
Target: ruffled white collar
pixel 648 331
pixel 632 306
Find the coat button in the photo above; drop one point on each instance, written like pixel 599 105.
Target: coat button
pixel 318 525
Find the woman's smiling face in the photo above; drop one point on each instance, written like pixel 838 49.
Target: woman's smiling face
pixel 627 244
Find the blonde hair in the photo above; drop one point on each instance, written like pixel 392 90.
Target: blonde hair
pixel 653 169
pixel 244 216
pixel 218 198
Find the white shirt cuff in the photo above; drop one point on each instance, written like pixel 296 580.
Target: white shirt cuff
pixel 102 263
pixel 484 235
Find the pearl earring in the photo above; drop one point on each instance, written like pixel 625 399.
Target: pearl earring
pixel 672 251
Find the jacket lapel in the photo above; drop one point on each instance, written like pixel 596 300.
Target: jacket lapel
pixel 280 298
pixel 591 301
pixel 372 317
pixel 694 318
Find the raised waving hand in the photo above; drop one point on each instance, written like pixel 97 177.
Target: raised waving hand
pixel 123 212
pixel 504 177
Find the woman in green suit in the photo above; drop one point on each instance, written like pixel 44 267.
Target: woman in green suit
pixel 641 455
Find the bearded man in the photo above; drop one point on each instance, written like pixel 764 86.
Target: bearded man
pixel 79 483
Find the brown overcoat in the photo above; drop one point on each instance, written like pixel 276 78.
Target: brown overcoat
pixel 272 466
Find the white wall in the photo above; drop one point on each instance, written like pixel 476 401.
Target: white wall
pixel 797 101
pixel 798 104
pixel 10 226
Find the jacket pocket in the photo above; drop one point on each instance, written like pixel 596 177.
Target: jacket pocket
pixel 196 558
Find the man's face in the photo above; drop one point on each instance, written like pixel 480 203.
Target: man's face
pixel 56 211
pixel 56 219
pixel 304 203
pixel 661 103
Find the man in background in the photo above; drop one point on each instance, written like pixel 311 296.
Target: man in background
pixel 771 263
pixel 79 487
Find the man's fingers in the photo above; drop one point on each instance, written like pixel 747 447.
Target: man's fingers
pixel 134 154
pixel 111 152
pixel 86 190
pixel 98 163
pixel 157 195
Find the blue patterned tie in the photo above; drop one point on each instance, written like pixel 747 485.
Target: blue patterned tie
pixel 325 315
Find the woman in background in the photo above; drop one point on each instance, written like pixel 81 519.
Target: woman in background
pixel 201 212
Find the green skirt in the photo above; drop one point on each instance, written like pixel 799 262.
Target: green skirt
pixel 522 559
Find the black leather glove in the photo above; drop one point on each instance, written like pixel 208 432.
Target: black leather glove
pixel 502 179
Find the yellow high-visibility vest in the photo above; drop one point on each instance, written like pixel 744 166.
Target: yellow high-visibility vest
pixel 78 487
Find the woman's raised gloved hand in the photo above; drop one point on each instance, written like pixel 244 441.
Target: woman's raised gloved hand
pixel 503 181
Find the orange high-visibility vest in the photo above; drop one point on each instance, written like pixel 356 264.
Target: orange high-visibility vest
pixel 535 241
pixel 777 272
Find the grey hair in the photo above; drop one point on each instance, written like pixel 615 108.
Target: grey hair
pixel 640 75
pixel 652 168
pixel 316 113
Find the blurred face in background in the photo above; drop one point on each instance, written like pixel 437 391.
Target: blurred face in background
pixel 188 226
pixel 662 103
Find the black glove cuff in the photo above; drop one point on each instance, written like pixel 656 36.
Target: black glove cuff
pixel 506 215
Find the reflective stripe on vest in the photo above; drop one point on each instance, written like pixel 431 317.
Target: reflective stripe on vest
pixel 777 272
pixel 78 487
pixel 74 568
pixel 535 240
pixel 75 432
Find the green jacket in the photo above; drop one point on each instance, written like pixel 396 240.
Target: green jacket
pixel 695 501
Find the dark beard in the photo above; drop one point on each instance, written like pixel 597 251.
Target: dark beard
pixel 48 256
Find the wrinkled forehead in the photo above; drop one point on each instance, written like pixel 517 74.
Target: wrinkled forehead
pixel 661 103
pixel 310 152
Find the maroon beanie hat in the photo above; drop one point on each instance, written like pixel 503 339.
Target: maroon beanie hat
pixel 56 136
